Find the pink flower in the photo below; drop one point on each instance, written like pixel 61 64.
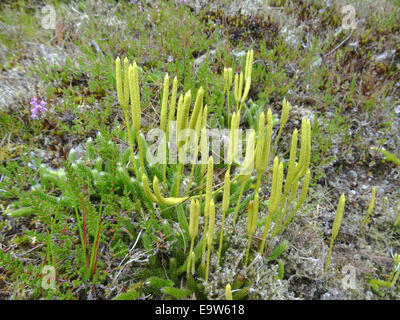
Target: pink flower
pixel 38 107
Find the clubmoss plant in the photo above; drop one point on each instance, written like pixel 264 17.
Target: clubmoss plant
pixel 392 278
pixel 210 235
pixel 154 190
pixel 275 197
pixel 227 87
pixel 370 208
pixel 163 119
pixel 246 170
pixel 225 205
pixel 397 221
pixel 210 174
pixel 240 95
pixel 335 227
pixel 135 108
pixel 123 99
pixel 252 216
pixel 193 227
pixel 172 104
pixel 284 119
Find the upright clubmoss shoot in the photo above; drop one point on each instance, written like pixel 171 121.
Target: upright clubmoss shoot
pixel 370 208
pixel 225 205
pixel 123 99
pixel 246 170
pixel 252 215
pixel 193 227
pixel 210 235
pixel 209 181
pixel 335 227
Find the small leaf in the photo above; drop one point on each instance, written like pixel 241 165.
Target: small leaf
pixel 390 157
pixel 22 212
pixel 278 250
pixel 132 295
pixel 176 293
pixel 159 283
pixel 183 223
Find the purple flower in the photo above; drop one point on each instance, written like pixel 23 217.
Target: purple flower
pixel 170 59
pixel 397 109
pixel 327 3
pixel 34 114
pixel 33 101
pixel 138 3
pixel 38 107
pixel 398 84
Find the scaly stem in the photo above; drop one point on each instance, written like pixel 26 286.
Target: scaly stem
pixel 190 178
pixel 130 141
pixel 279 219
pixel 178 181
pixel 193 168
pixel 190 256
pixel 140 150
pixel 258 183
pixel 276 140
pixel 208 262
pixel 247 251
pixel 329 256
pixel 239 199
pixel 203 250
pixel 265 232
pixel 165 167
pixel 221 237
pixel 286 223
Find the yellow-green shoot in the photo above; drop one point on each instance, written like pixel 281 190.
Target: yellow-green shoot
pixel 123 99
pixel 251 222
pixel 193 227
pixel 225 205
pixel 210 235
pixel 335 227
pixel 370 208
